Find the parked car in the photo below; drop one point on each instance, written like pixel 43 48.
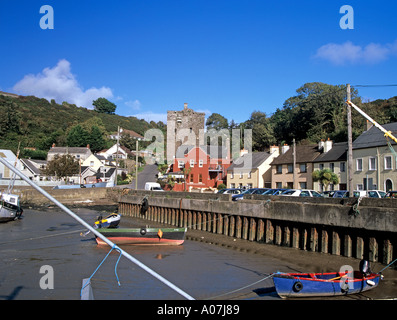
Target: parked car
pixel 391 194
pixel 341 194
pixel 260 190
pixel 345 194
pixel 274 192
pixel 301 193
pixel 328 194
pixel 376 194
pixel 240 196
pixel 230 191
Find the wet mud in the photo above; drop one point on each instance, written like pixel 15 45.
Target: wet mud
pixel 206 266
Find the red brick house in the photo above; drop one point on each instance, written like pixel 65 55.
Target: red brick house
pixel 200 167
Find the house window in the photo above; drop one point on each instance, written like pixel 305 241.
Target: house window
pixel 321 166
pixel 241 175
pixel 303 167
pixel 342 166
pixel 232 185
pixel 91 163
pixel 388 163
pixel 191 177
pixel 303 185
pixel 200 178
pixel 332 167
pixel 360 187
pixel 249 175
pixel 372 163
pixel 200 163
pixel 191 163
pixel 232 175
pixel 279 185
pixel 279 168
pixel 249 185
pixel 181 164
pixel 290 168
pixel 359 165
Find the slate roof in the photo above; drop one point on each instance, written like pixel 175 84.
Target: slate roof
pixel 257 159
pixel 304 154
pixel 215 152
pixel 337 153
pixel 374 137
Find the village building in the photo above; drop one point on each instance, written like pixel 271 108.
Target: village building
pixel 374 160
pixel 286 175
pixel 79 153
pixel 334 158
pixel 203 167
pixel 252 170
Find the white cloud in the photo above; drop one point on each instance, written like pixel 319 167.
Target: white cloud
pixel 151 116
pixel 349 53
pixel 135 105
pixel 60 84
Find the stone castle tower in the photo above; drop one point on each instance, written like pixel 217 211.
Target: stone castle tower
pixel 184 127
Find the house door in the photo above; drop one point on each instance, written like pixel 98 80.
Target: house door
pixel 388 185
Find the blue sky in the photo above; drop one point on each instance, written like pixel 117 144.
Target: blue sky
pixel 225 56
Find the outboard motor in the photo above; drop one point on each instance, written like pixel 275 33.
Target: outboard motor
pixel 364 267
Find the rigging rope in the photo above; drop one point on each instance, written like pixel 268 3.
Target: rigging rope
pixel 115 268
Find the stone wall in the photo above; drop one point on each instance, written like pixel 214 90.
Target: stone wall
pixel 334 226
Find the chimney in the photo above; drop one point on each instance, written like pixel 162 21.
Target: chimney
pixel 284 148
pixel 243 152
pixel 368 125
pixel 327 145
pixel 185 105
pixel 274 149
pixel 321 145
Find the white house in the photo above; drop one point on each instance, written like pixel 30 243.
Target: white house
pixel 10 157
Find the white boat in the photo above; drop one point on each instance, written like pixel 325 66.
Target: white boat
pixel 10 208
pixel 111 221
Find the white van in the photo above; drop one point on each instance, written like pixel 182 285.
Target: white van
pixel 153 186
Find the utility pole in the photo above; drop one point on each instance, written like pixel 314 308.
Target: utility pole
pixel 294 164
pixel 117 154
pixel 136 165
pixel 349 145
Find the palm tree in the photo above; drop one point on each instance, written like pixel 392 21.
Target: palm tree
pixel 325 176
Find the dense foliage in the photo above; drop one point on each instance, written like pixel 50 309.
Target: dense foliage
pixel 317 111
pixel 38 123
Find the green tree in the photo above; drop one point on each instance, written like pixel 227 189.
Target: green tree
pixel 62 166
pixel 325 177
pixel 96 140
pixel 262 130
pixel 77 137
pixel 217 122
pixel 103 105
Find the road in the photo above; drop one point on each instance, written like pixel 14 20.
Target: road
pixel 147 175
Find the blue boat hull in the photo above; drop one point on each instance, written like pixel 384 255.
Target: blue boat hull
pixel 304 285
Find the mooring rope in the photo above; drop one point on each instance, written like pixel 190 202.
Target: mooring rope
pixel 115 268
pixel 242 288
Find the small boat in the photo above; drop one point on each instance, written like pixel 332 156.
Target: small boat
pixel 111 221
pixel 10 208
pixel 144 236
pixel 302 285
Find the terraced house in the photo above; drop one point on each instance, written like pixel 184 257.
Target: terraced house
pixel 283 173
pixel 374 160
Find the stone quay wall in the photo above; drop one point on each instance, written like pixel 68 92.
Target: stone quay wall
pixel 364 230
